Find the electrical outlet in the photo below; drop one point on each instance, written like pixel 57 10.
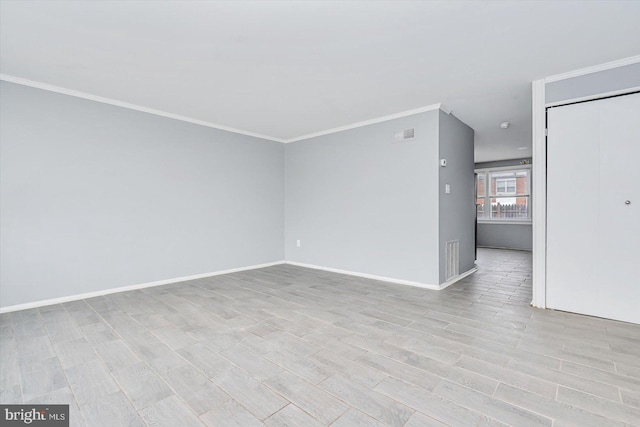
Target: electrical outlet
pixel 298 243
pixel 447 189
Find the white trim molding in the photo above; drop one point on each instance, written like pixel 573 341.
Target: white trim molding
pixel 504 222
pixel 502 247
pixel 369 122
pixel 594 97
pixel 487 172
pixel 457 278
pixel 366 275
pixel 539 167
pixel 386 279
pixel 77 297
pixel 42 303
pixel 539 192
pixel 593 69
pixel 503 168
pixel 103 100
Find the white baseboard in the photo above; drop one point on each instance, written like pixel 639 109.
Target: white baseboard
pixel 77 297
pixel 42 303
pixel 388 279
pixel 458 277
pixel 366 275
pixel 502 247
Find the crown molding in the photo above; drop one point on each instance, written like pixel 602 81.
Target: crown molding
pixel 367 122
pixel 101 99
pixel 84 95
pixel 52 88
pixel 593 69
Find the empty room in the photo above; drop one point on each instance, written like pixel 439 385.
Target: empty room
pixel 319 213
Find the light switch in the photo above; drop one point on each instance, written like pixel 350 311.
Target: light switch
pixel 447 189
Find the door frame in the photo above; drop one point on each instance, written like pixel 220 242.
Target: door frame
pixel 539 194
pixel 539 164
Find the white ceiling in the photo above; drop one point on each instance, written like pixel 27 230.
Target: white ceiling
pixel 289 69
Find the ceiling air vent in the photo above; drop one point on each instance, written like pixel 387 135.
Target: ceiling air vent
pixel 404 135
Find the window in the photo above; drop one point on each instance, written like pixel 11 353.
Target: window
pixel 503 194
pixel 505 186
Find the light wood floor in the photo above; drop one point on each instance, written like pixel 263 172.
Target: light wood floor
pixel 288 346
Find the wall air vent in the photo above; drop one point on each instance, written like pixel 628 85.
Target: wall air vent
pixel 452 259
pixel 404 135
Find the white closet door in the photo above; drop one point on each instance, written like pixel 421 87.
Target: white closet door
pixel 593 234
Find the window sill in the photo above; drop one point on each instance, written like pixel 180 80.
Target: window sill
pixel 505 221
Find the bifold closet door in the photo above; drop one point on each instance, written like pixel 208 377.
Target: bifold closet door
pixel 593 208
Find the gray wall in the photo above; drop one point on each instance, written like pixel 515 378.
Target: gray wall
pixel 361 203
pixel 595 83
pixel 457 209
pixel 95 196
pixel 509 236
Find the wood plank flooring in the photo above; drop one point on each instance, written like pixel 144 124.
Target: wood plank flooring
pixel 289 346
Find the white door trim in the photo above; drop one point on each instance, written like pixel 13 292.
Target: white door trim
pixel 539 194
pixel 593 69
pixel 539 167
pixel 594 97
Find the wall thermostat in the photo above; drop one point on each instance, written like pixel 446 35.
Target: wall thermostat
pixel 443 162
